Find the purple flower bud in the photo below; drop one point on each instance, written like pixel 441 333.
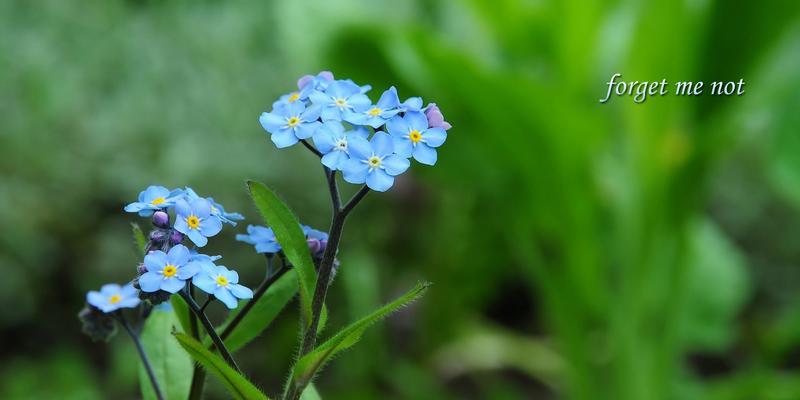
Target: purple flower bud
pixel 305 79
pixel 435 117
pixel 175 238
pixel 161 219
pixel 314 245
pixel 157 236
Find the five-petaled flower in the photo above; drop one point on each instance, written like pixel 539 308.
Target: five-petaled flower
pixel 195 220
pixel 373 162
pixel 413 137
pixel 222 283
pixel 339 99
pixel 168 271
pixel 262 238
pixel 376 115
pixel 154 198
pixel 112 297
pixel 331 140
pixel 217 209
pixel 290 123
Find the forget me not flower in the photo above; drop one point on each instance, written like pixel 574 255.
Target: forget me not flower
pixel 195 220
pixel 112 297
pixel 217 209
pixel 413 137
pixel 339 98
pixel 412 104
pixel 289 123
pixel 152 199
pixel 319 82
pixel 262 238
pixel 376 115
pixel 167 271
pixel 222 283
pixel 331 140
pixel 435 117
pixel 373 162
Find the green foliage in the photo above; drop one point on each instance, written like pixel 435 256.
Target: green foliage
pixel 238 386
pixel 182 312
pixel 263 312
pixel 308 365
pixel 171 365
pixel 139 240
pixel 290 235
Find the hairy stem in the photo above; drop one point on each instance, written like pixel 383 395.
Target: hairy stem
pixel 209 327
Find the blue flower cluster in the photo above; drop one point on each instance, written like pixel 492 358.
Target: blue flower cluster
pixel 196 217
pixel 339 118
pixel 169 265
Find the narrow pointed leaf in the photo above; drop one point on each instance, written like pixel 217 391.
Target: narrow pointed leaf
pixel 171 365
pixel 290 235
pixel 311 363
pixel 237 385
pixel 310 393
pixel 139 240
pixel 263 312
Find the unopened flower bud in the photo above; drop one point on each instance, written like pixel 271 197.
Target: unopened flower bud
pixel 157 236
pixel 97 324
pixel 314 245
pixel 161 219
pixel 435 117
pixel 140 269
pixel 175 238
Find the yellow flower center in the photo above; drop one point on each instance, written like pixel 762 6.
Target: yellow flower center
pixel 169 270
pixel 293 97
pixel 340 102
pixel 193 222
pixel 374 111
pixel 415 136
pixel 114 299
pixel 222 281
pixel 158 200
pixel 293 121
pixel 374 162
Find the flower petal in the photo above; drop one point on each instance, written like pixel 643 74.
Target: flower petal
pixel 424 154
pixel 178 255
pixel 204 282
pixel 172 285
pixel 240 291
pixel 354 171
pixel 154 261
pixel 189 270
pixel 434 137
pixel 379 181
pixel 382 144
pixel 359 148
pixel 150 282
pixel 210 226
pixel 197 238
pixel 395 165
pixel 222 294
pixel 417 120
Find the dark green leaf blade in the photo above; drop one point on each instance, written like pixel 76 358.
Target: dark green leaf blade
pixel 171 365
pixel 290 235
pixel 263 312
pixel 182 313
pixel 238 386
pixel 311 363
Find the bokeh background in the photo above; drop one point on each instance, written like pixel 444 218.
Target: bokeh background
pixel 578 251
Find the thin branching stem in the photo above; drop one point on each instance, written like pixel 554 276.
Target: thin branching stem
pixel 209 327
pixel 145 361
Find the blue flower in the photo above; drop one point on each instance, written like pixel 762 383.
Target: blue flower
pixel 167 271
pixel 317 241
pixel 312 233
pixel 222 283
pixel 319 82
pixel 217 209
pixel 195 220
pixel 373 162
pixel 331 140
pixel 339 98
pixel 412 104
pixel 152 199
pixel 112 297
pixel 262 238
pixel 376 115
pixel 413 137
pixel 289 123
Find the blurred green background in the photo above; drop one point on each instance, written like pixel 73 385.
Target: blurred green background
pixel 579 251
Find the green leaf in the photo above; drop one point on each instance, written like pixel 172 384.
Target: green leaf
pixel 139 240
pixel 171 365
pixel 310 393
pixel 263 312
pixel 311 363
pixel 238 386
pixel 182 313
pixel 287 230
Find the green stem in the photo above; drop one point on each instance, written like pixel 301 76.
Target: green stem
pixel 209 327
